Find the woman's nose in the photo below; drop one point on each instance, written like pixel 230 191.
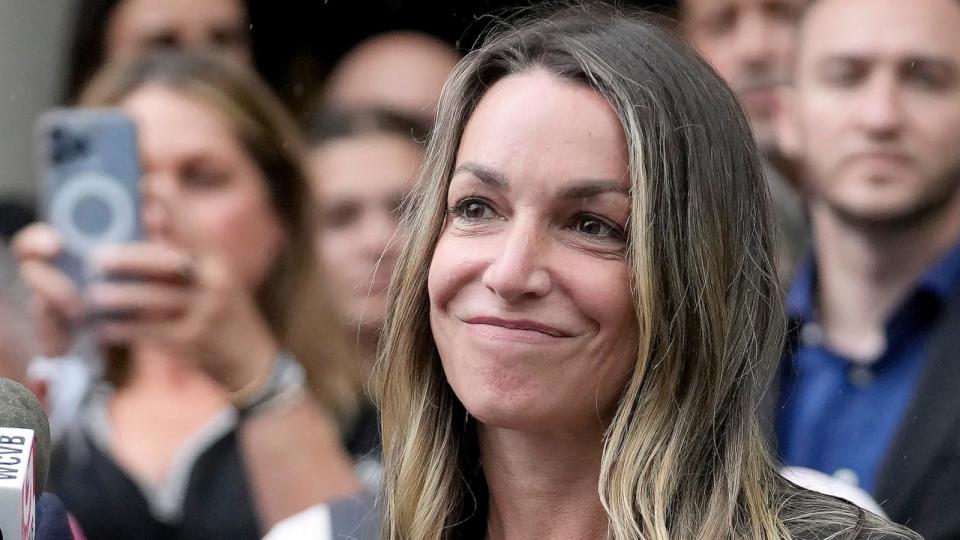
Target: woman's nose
pixel 517 271
pixel 155 206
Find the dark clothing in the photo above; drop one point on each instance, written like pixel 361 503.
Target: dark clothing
pixel 109 505
pixel 51 519
pixel 873 397
pixel 205 497
pixel 894 424
pixel 358 518
pixel 363 440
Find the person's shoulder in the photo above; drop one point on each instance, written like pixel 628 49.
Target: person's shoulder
pixel 868 527
pixel 353 518
pixel 833 532
pixel 815 516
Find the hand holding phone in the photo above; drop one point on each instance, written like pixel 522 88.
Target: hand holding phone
pixel 89 264
pixel 90 175
pixel 56 304
pixel 91 182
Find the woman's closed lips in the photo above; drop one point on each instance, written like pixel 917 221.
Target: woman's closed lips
pixel 519 324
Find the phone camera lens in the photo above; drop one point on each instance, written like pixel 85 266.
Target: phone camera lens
pixel 59 151
pixel 80 147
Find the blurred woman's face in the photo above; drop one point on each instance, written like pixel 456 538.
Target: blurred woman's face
pixel 202 190
pixel 359 183
pixel 136 26
pixel 530 305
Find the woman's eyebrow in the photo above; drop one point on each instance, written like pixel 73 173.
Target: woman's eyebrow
pixel 580 189
pixel 484 174
pixel 584 189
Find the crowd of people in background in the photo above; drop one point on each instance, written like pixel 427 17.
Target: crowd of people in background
pixel 265 379
pixel 858 106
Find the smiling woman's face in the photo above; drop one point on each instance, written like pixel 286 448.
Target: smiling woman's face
pixel 530 304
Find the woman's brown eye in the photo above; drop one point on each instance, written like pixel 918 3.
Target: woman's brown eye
pixel 474 209
pixel 597 227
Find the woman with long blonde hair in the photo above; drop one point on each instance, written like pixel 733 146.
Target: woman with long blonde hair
pixel 586 315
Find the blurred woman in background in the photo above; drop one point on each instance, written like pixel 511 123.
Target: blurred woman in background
pixel 221 411
pixel 362 163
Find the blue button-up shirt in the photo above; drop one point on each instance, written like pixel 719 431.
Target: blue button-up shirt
pixel 840 417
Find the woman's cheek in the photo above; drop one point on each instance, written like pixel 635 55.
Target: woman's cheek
pixel 601 290
pixel 246 233
pixel 456 263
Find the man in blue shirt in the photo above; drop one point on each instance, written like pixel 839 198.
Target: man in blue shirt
pixel 870 385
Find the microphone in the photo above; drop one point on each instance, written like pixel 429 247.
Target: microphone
pixel 24 459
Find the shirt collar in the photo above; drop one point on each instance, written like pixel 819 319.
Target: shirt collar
pixel 802 292
pixel 942 280
pixel 944 277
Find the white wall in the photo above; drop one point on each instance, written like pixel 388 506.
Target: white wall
pixel 33 38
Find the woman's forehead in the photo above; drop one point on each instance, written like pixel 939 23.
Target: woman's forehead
pixel 537 124
pixel 170 117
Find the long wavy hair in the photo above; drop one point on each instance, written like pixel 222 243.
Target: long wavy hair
pixel 293 301
pixel 685 455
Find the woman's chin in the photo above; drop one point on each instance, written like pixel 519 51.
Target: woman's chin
pixel 516 412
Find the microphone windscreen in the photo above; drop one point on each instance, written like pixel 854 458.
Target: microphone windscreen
pixel 19 408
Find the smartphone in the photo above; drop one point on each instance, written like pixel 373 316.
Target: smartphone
pixel 90 168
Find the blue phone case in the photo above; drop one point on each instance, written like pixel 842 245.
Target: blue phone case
pixel 91 181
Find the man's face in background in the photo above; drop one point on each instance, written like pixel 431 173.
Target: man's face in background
pixel 876 108
pixel 751 44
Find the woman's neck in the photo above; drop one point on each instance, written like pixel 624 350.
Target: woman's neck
pixel 163 402
pixel 156 369
pixel 543 485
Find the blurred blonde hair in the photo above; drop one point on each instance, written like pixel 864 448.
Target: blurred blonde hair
pixel 293 300
pixel 685 455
